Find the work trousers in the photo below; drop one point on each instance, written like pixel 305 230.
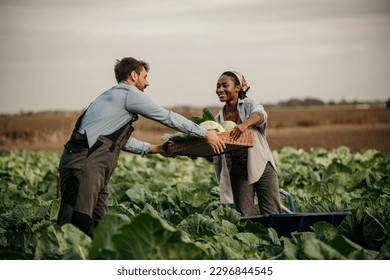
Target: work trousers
pixel 84 175
pixel 266 189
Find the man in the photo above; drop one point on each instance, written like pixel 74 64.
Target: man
pixel 101 132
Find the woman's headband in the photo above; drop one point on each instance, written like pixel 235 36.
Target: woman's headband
pixel 239 76
pixel 243 83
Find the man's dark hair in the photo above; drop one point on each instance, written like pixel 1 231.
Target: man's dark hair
pixel 126 65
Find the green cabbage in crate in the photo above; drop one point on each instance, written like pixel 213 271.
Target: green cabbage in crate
pixel 207 120
pixel 228 125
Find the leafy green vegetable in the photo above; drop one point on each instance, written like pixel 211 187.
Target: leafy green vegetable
pixel 161 208
pixel 178 137
pixel 228 125
pixel 149 237
pixel 212 125
pixel 207 115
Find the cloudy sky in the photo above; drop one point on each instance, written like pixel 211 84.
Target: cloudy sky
pixel 60 54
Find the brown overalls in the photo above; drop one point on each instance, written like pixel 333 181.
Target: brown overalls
pixel 84 174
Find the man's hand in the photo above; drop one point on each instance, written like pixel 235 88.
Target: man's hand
pixel 161 149
pixel 214 141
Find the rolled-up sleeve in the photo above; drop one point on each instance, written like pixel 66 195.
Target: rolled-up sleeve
pixel 251 106
pixel 137 147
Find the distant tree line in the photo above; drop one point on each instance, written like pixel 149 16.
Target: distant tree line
pixel 296 102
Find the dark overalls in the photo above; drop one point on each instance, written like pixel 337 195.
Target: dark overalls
pixel 84 174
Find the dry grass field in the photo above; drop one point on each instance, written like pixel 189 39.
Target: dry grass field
pixel 359 128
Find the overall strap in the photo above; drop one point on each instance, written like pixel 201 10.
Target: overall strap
pixel 121 136
pixel 78 122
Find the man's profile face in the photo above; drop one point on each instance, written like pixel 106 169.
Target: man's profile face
pixel 141 81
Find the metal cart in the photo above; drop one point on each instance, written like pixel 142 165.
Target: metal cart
pixel 290 221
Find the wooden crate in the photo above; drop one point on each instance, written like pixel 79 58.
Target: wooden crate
pixel 199 148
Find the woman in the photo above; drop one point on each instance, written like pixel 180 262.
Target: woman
pixel 245 173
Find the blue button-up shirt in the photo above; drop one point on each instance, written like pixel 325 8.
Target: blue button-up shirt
pixel 119 105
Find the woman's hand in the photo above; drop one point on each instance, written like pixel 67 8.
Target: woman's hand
pixel 255 119
pixel 214 141
pixel 238 130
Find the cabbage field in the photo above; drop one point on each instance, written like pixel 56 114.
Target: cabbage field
pixel 161 208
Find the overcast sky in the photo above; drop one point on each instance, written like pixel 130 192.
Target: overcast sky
pixel 60 54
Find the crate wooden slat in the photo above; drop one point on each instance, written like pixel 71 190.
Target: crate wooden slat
pixel 199 148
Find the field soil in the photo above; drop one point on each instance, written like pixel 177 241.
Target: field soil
pixel 358 128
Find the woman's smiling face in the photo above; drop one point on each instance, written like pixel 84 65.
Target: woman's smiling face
pixel 226 89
